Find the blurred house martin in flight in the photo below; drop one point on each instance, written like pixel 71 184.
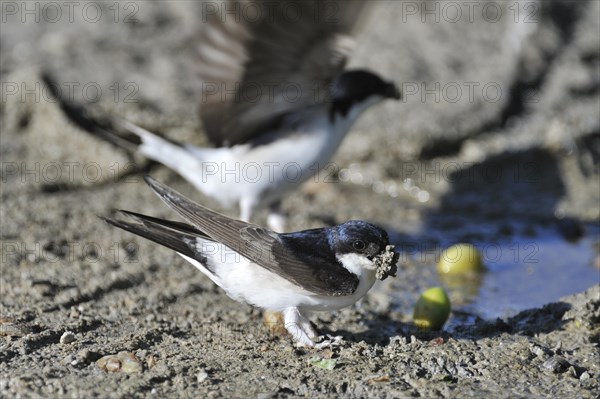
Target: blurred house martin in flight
pixel 275 101
pixel 294 273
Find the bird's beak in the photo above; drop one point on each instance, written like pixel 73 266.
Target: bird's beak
pixel 391 91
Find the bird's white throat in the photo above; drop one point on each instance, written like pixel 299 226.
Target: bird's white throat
pixel 357 264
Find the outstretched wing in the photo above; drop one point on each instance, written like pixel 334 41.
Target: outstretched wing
pixel 261 60
pixel 305 266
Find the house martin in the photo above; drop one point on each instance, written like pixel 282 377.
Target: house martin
pixel 293 273
pixel 275 101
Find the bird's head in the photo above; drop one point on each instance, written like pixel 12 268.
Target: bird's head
pixel 361 246
pixel 358 89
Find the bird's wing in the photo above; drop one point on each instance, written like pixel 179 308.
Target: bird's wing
pixel 303 263
pixel 257 68
pixel 262 246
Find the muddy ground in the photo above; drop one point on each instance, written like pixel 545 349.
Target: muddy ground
pixel 432 168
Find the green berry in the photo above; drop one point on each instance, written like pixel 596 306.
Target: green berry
pixel 432 309
pixel 460 259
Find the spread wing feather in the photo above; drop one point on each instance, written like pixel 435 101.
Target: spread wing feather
pixel 256 69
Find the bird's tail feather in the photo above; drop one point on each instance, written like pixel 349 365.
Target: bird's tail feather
pixel 181 158
pixel 187 161
pixel 180 237
pixel 127 135
pixel 77 114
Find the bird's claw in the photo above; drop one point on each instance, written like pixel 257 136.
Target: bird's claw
pixel 330 342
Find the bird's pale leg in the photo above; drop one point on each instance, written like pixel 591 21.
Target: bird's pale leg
pixel 276 219
pixel 299 327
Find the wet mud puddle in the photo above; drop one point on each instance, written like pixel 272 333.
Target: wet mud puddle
pixel 522 272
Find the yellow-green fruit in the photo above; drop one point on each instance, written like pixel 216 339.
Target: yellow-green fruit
pixel 460 259
pixel 432 309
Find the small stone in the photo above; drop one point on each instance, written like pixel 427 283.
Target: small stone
pixel 383 378
pixel 67 338
pixel 556 364
pixel 539 351
pixel 69 359
pixel 129 362
pixel 584 376
pixel 202 376
pixel 151 361
pixel 125 362
pixel 113 364
pixel 275 323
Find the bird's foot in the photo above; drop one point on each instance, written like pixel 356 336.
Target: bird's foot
pixel 299 327
pixel 329 341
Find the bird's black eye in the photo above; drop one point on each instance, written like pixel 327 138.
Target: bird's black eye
pixel 359 245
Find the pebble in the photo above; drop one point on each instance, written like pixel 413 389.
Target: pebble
pixel 539 351
pixel 556 364
pixel 151 361
pixel 202 376
pixel 67 338
pixel 125 362
pixel 113 364
pixel 274 323
pixel 584 376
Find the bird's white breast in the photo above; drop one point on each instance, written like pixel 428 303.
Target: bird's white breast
pixel 248 282
pixel 264 172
